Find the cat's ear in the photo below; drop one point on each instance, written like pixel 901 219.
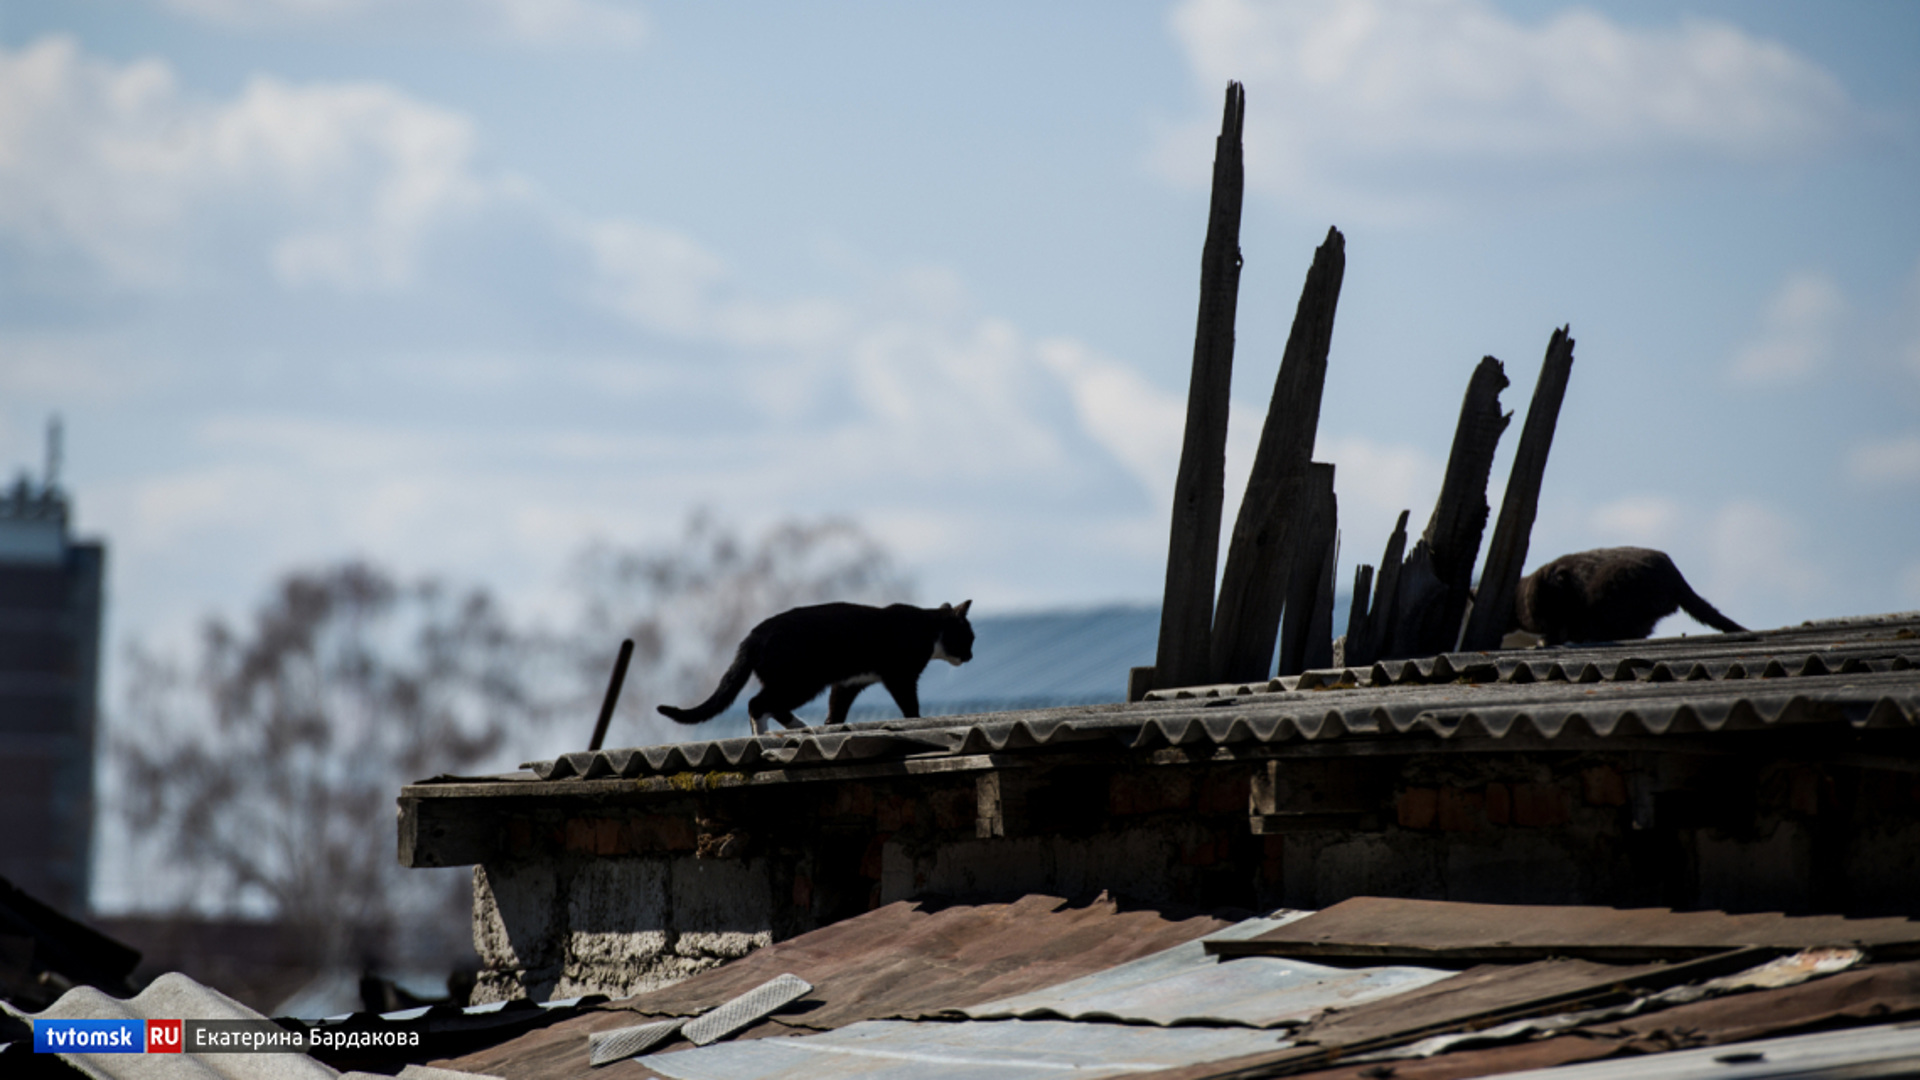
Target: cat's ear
pixel 946 609
pixel 962 609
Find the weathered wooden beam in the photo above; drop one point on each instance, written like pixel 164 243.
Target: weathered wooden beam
pixel 1316 526
pixel 1262 553
pixel 1319 650
pixel 1184 656
pixel 1429 620
pixel 1493 609
pixel 1358 650
pixel 1386 592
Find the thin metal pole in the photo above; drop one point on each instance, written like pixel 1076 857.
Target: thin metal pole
pixel 613 694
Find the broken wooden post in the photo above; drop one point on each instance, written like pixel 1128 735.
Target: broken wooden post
pixel 1315 526
pixel 1493 608
pixel 1429 618
pixel 1319 652
pixel 1262 553
pixel 1358 649
pixel 1386 593
pixel 1193 545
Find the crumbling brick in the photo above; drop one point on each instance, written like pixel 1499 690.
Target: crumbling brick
pixel 660 833
pixel 871 861
pixel 1153 792
pixel 1602 785
pixel 852 800
pixel 953 808
pixel 579 835
pixel 893 813
pixel 1498 804
pixel 1419 807
pixel 1225 795
pixel 1537 805
pixel 1458 810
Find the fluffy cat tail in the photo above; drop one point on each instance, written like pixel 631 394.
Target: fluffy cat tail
pixel 1692 603
pixel 730 686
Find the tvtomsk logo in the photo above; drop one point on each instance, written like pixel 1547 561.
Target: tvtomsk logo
pixel 106 1036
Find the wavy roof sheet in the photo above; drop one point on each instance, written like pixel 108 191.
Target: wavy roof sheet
pixel 1862 673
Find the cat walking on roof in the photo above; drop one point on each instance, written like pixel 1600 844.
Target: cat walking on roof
pixel 1609 594
pixel 845 647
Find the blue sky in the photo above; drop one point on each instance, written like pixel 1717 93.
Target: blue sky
pixel 459 285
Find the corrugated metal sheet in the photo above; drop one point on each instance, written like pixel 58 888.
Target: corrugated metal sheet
pixel 1186 985
pixel 900 963
pixel 969 1050
pixel 906 959
pixel 1886 1050
pixel 1861 676
pixel 1851 997
pixel 1372 926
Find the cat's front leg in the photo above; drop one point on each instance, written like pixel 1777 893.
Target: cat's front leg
pixel 840 700
pixel 906 694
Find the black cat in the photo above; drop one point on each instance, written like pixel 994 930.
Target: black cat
pixel 1609 594
pixel 796 654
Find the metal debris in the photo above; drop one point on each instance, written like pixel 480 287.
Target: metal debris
pixel 759 1002
pixel 607 1047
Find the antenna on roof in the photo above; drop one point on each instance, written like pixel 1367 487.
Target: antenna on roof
pixel 53 452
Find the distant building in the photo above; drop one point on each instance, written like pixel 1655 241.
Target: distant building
pixel 50 602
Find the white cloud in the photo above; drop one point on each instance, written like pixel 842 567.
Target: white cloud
pixel 542 23
pixel 1796 334
pixel 1393 106
pixel 1757 553
pixel 1910 584
pixel 1910 322
pixel 1135 421
pixel 1381 476
pixel 1888 462
pixel 1637 520
pixel 336 185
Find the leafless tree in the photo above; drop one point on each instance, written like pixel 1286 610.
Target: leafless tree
pixel 266 771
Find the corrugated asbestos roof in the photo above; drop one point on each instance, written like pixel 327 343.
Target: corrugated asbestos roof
pixel 909 991
pixel 1864 673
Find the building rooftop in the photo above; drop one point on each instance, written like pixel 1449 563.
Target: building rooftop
pixel 1860 675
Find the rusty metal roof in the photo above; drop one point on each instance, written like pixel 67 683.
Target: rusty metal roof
pixel 1861 673
pixel 963 990
pixel 967 1050
pixel 1373 928
pixel 1188 984
pixel 907 959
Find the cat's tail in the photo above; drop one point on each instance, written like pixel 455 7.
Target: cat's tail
pixel 730 686
pixel 1692 603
